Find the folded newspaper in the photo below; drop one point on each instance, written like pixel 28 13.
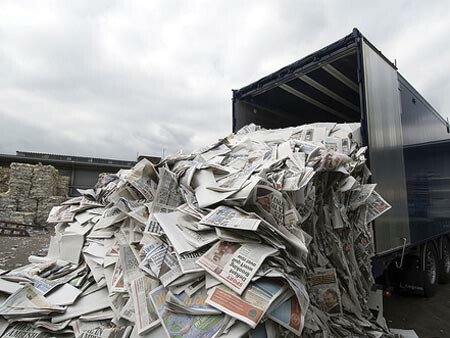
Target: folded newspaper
pixel 265 233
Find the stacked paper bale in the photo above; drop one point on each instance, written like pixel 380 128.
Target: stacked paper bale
pixel 263 234
pixel 4 179
pixel 32 191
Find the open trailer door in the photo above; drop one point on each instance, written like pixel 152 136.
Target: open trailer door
pixel 384 132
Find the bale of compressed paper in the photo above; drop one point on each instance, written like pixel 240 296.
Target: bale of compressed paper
pixel 32 189
pixel 20 179
pixel 44 205
pixel 265 233
pixel 44 181
pixel 4 179
pixel 62 185
pixel 21 217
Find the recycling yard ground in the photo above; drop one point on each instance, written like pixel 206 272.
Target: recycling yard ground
pixel 429 317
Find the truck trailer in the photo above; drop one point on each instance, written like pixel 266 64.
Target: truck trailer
pixel 408 148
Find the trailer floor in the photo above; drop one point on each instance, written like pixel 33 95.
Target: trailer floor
pixel 429 317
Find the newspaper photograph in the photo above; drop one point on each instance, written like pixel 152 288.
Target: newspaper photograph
pixel 324 291
pixel 235 264
pixel 227 217
pixel 252 304
pixel 376 206
pixel 184 325
pixel 145 315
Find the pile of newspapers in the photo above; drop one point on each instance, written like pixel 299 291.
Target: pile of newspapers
pixel 266 233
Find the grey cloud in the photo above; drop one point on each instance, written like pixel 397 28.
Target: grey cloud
pixel 113 79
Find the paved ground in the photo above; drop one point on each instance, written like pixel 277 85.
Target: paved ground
pixel 429 317
pixel 14 251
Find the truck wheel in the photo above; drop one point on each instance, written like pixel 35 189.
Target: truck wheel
pixel 444 264
pixel 429 269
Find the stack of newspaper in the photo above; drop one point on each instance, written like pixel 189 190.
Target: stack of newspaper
pixel 265 233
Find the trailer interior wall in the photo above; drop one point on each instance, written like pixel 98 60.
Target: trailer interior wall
pixel 321 87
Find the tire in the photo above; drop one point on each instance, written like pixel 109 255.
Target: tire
pixel 430 269
pixel 444 262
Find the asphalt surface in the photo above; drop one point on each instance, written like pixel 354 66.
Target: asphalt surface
pixel 429 317
pixel 14 251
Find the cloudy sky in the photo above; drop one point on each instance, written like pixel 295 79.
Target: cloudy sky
pixel 117 78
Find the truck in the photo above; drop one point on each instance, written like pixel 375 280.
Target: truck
pixel 408 144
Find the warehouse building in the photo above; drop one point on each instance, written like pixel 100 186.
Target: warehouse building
pixel 82 171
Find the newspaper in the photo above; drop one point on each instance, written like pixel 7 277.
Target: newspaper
pixel 130 261
pixel 194 304
pixel 188 261
pixel 60 214
pixel 99 329
pixel 243 222
pixel 360 195
pixel 64 295
pixel 252 304
pixel 92 302
pixel 19 330
pixel 235 264
pixel 9 287
pixel 226 217
pixel 324 290
pixel 146 317
pixel 27 301
pixel 167 197
pixel 376 206
pixel 176 228
pixel 176 324
pixel 289 315
pixel 269 203
pixel 117 281
pixel 155 251
pixel 143 178
pixel 170 269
